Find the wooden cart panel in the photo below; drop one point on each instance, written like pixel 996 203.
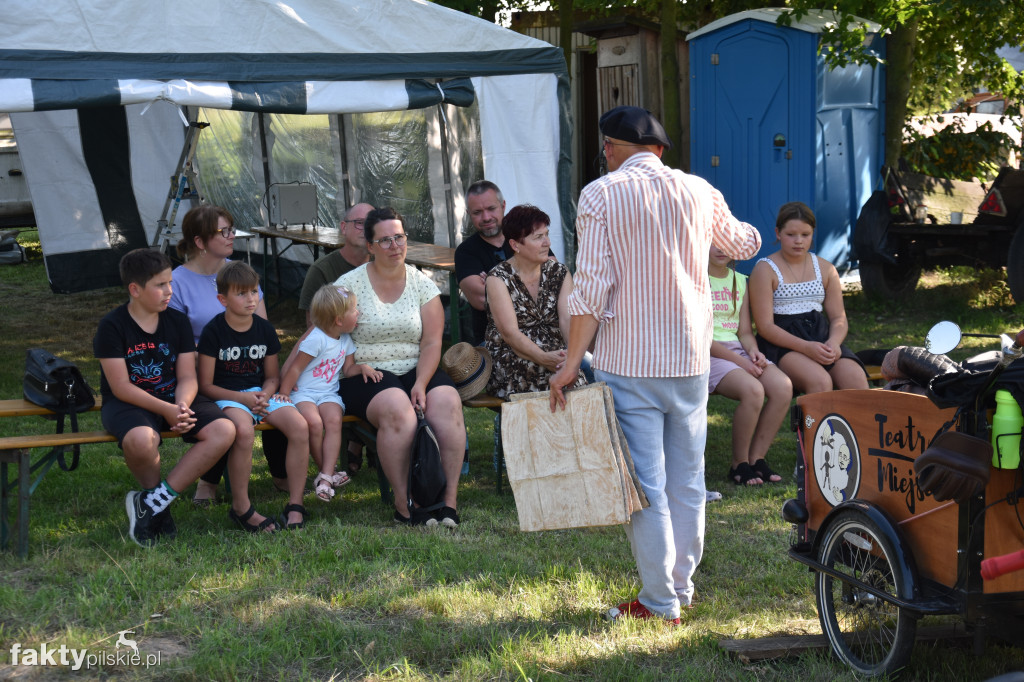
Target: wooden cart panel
pixel 862 444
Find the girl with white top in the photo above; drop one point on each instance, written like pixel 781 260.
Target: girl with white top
pixel 801 326
pixel 311 379
pixel 740 371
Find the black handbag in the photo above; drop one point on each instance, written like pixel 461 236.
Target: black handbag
pixel 58 385
pixel 427 481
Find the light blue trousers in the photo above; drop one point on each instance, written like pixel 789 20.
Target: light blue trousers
pixel 665 422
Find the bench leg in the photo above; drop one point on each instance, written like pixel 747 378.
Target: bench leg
pixel 20 458
pixel 369 440
pixel 24 492
pixel 499 453
pixel 4 528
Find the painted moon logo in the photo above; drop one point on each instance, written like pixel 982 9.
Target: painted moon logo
pixel 836 460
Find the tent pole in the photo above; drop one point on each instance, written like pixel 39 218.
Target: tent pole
pixel 453 285
pixel 344 166
pixel 265 157
pixel 446 161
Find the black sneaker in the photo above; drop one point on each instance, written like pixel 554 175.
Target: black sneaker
pixel 448 517
pixel 416 518
pixel 164 524
pixel 142 525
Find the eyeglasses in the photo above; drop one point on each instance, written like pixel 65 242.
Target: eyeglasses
pixel 388 242
pixel 357 223
pixel 226 232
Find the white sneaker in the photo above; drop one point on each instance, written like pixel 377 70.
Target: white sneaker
pixel 712 496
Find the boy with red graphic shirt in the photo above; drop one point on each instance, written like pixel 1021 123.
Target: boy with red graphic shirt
pixel 148 384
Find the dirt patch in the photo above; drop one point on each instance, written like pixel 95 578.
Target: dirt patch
pixel 169 648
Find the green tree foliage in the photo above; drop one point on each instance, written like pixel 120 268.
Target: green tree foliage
pixel 938 51
pixel 490 10
pixel 956 154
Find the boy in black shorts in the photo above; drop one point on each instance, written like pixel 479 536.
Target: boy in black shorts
pixel 238 369
pixel 148 384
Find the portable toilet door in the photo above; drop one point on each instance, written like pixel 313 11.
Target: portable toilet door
pixel 770 123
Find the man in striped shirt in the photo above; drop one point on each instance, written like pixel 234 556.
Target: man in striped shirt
pixel 641 286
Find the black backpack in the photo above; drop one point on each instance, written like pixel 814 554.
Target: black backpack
pixel 427 481
pixel 58 385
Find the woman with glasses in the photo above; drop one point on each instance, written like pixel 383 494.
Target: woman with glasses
pixel 208 240
pixel 401 321
pixel 527 315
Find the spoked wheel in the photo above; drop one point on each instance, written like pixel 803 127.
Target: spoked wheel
pixel 869 634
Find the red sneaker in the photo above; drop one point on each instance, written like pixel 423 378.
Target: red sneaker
pixel 635 609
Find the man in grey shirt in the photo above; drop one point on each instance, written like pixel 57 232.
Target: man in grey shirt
pixel 351 255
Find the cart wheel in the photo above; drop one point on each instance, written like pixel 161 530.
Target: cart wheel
pixel 888 281
pixel 869 634
pixel 1015 264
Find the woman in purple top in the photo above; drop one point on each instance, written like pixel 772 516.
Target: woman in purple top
pixel 208 240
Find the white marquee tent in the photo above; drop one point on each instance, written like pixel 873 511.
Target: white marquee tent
pixel 102 88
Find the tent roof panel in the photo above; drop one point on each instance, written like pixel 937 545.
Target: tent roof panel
pixel 277 67
pixel 256 27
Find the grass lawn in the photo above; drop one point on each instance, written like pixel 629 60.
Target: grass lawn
pixel 353 597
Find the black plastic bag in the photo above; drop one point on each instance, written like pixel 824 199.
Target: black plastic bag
pixel 427 481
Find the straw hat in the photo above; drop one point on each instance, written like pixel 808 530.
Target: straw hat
pixel 469 367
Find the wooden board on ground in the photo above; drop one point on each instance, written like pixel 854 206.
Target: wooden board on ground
pixel 767 648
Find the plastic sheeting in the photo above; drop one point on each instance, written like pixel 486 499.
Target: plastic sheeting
pixel 384 159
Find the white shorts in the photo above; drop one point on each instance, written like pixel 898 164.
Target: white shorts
pixel 317 399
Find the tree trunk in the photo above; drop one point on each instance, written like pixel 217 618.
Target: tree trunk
pixel 670 82
pixel 489 10
pixel 900 46
pixel 565 14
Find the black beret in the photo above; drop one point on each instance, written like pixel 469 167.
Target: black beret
pixel 633 124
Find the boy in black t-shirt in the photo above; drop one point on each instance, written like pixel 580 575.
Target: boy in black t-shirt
pixel 238 368
pixel 148 384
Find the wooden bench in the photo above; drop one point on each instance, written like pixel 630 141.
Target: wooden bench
pixel 17 450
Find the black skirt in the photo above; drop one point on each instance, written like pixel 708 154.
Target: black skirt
pixel 810 326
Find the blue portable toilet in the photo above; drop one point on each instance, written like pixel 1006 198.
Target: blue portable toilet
pixel 771 123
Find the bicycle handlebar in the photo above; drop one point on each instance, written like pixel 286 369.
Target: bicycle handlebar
pixel 999 565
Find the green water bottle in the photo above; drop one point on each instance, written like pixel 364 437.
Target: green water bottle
pixel 1006 430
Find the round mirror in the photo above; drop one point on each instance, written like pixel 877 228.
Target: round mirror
pixel 943 337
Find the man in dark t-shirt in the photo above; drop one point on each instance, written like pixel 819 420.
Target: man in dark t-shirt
pixel 480 252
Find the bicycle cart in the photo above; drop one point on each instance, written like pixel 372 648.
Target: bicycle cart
pixel 884 550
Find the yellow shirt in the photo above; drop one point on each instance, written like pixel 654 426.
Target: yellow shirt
pixel 387 336
pixel 725 306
